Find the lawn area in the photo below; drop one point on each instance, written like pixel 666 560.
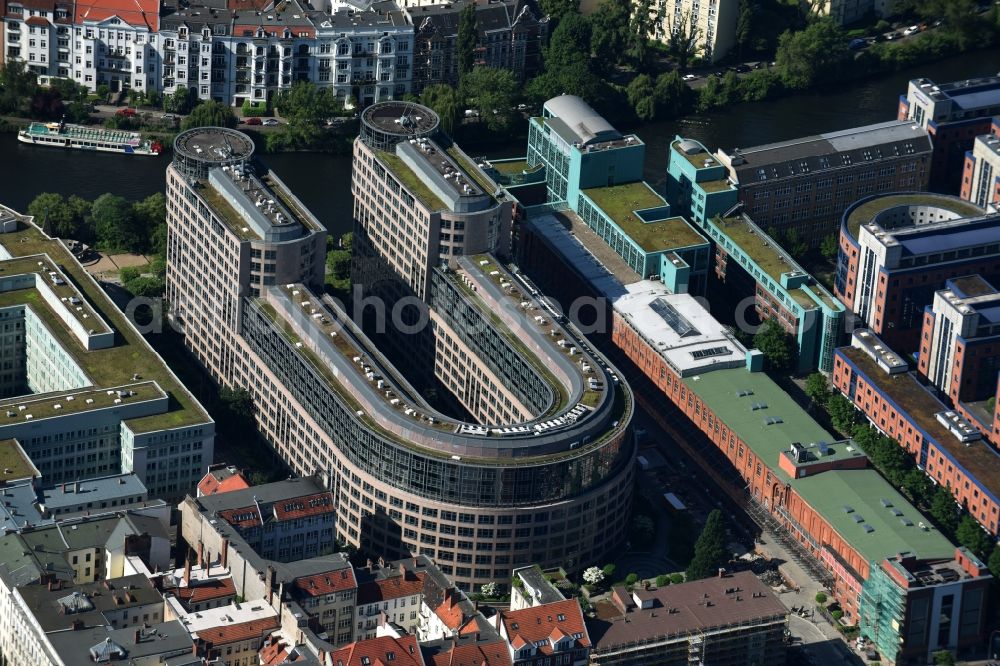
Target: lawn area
pixel 410 180
pixel 619 202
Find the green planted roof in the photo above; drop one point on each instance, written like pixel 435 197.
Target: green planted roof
pixel 827 492
pixel 870 527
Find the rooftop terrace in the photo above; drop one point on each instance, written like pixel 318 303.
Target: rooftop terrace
pixel 619 202
pixel 827 492
pixel 865 212
pixel 760 248
pixel 14 462
pixel 978 458
pixel 114 366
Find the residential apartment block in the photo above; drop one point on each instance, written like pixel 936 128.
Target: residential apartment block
pixel 896 250
pixel 945 441
pixel 981 176
pixel 953 114
pixel 805 184
pixel 233 51
pixel 87 397
pixel 727 620
pixel 550 449
pixel 712 25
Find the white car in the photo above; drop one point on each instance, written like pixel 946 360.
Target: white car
pixel 690 77
pixel 271 122
pixel 912 30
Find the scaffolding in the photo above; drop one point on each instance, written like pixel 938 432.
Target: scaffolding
pixel 883 604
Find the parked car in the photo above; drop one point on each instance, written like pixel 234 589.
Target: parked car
pixel 253 120
pixel 742 69
pixel 689 77
pixel 892 36
pixel 169 116
pixel 912 30
pixel 720 74
pixel 270 122
pixel 125 113
pixel 857 44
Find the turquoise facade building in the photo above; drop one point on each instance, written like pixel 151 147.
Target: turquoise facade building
pixel 697 185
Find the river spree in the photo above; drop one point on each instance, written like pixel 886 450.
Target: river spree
pixel 322 182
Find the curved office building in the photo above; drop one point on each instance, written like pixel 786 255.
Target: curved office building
pixel 537 465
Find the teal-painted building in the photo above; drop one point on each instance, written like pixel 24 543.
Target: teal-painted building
pixel 697 185
pixel 580 150
pixel 749 259
pixel 637 224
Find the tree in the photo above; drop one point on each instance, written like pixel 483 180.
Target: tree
pixel 829 247
pixel 794 243
pixel 178 102
pixel 490 590
pixel 557 9
pixel 683 38
pixel 944 658
pixel 210 114
pixel 944 510
pixel 150 214
pixel 994 562
pixel 842 413
pixel 631 579
pixel 710 548
pixel 971 535
pixel 671 95
pixel 817 388
pixel 806 57
pixel 662 580
pixel 643 528
pixel 444 101
pixel 339 263
pixel 639 26
pixel 640 97
pixel 609 570
pixel 114 224
pixel 18 85
pixel 610 36
pixel 466 41
pixel 306 107
pixel 53 214
pixel 569 44
pixel 776 344
pixel 745 25
pixel 593 576
pixel 917 486
pixel 492 92
pixel 820 598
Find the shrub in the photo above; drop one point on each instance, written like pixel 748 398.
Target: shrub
pixel 631 579
pixel 837 614
pixel 593 576
pixel 251 108
pixel 662 580
pixel 676 578
pixel 609 570
pixel 820 598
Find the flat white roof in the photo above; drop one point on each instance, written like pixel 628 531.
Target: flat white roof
pixel 679 328
pixel 227 616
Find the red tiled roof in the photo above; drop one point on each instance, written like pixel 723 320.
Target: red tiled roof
pixel 249 516
pixel 250 5
pixel 404 650
pixel 540 623
pixel 234 633
pixel 449 611
pixel 203 590
pixel 390 588
pixel 37 20
pixel 211 484
pixel 327 583
pixel 473 654
pixel 307 505
pixel 273 653
pixel 133 12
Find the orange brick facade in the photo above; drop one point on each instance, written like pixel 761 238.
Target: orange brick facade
pixel 929 453
pixel 812 531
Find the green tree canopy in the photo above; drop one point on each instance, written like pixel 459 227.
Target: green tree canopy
pixel 569 44
pixel 842 413
pixel 710 549
pixel 466 41
pixel 818 388
pixel 114 224
pixel 210 114
pixel 492 92
pixel 339 263
pixel 806 57
pixel 557 9
pixel 178 102
pixel 972 536
pixel 611 35
pixel 445 101
pixel 829 247
pixel 944 510
pixel 640 97
pixel 305 107
pixel 994 562
pixel 53 213
pixel 776 344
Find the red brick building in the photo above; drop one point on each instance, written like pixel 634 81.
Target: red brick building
pixel 981 176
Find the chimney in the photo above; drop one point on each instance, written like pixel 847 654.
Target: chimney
pixel 77 625
pixel 187 572
pixel 201 554
pixel 225 553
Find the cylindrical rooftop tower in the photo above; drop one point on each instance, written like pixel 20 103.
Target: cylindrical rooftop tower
pixel 385 124
pixel 202 148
